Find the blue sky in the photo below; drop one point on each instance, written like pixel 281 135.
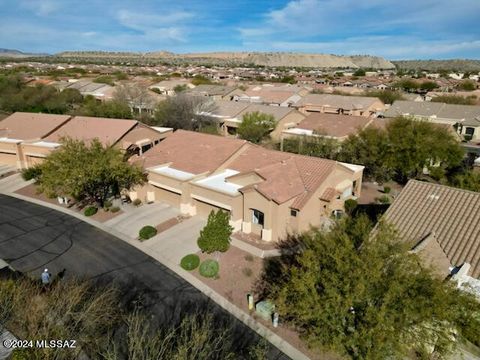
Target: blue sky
pixel 405 29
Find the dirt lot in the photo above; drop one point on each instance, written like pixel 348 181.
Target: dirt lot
pixel 371 191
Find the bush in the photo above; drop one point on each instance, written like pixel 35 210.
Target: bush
pixel 137 202
pixel 249 257
pixel 107 204
pixel 384 199
pixel 31 173
pixel 190 262
pixel 147 232
pixel 115 209
pixel 350 205
pixel 91 210
pixel 247 272
pixel 209 268
pixel 387 189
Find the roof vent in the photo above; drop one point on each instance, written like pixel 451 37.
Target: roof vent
pixel 434 196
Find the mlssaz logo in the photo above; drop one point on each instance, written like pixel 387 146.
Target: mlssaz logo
pixel 56 344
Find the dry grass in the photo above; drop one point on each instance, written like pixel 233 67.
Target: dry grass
pixel 70 309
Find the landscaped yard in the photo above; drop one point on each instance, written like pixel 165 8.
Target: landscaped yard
pixel 239 271
pixel 31 191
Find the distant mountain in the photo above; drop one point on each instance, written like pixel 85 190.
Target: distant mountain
pixel 437 65
pixel 17 53
pixel 277 59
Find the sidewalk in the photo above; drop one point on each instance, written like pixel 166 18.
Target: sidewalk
pixel 164 248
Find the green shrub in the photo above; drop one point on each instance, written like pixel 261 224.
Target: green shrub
pixel 387 189
pixel 384 199
pixel 249 257
pixel 209 268
pixel 147 232
pixel 31 173
pixel 190 262
pixel 136 202
pixel 247 272
pixel 114 209
pixel 91 210
pixel 350 205
pixel 107 204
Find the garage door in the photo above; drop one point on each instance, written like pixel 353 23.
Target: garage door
pixel 8 159
pixel 204 209
pixel 167 196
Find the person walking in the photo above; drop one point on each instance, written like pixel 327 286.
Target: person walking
pixel 46 278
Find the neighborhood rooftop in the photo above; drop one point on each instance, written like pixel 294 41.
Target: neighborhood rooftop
pixel 433 109
pixel 30 126
pixel 451 215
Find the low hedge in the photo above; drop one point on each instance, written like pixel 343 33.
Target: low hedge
pixel 30 173
pixel 114 209
pixel 209 268
pixel 91 210
pixel 147 232
pixel 190 262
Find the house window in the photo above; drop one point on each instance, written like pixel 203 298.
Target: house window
pixel 258 217
pixel 293 213
pixel 354 186
pixel 469 131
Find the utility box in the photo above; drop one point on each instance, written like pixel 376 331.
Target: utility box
pixel 265 309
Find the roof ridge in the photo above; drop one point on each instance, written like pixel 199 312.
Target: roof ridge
pixel 444 186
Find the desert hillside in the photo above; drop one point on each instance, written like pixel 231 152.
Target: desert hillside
pixel 261 59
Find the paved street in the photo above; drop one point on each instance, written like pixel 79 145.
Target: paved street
pixel 33 237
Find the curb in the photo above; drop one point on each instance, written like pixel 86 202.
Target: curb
pixel 260 329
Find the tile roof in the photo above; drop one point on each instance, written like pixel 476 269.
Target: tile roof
pixel 108 131
pixel 453 215
pixel 432 254
pixel 338 101
pixel 279 112
pixel 286 176
pixel 191 151
pixel 439 110
pixel 334 125
pixel 29 126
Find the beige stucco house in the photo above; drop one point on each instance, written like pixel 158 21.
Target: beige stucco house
pixel 27 138
pixel 267 193
pixel 230 115
pixel 340 104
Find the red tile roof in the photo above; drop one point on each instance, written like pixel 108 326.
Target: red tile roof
pixel 192 152
pixel 29 126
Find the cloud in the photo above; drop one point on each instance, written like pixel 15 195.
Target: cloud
pixel 41 7
pixel 380 27
pixel 172 25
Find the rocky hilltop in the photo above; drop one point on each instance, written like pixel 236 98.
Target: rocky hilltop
pixel 273 59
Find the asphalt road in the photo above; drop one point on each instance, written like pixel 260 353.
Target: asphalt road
pixel 33 237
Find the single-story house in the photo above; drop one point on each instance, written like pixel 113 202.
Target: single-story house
pixel 27 138
pixel 166 87
pixel 230 116
pixel 267 193
pixel 129 135
pixel 466 118
pixel 340 104
pixel 216 92
pixel 333 126
pixel 442 224
pixel 23 127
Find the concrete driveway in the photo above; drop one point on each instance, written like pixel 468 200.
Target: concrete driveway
pixel 133 220
pixel 176 242
pixel 171 244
